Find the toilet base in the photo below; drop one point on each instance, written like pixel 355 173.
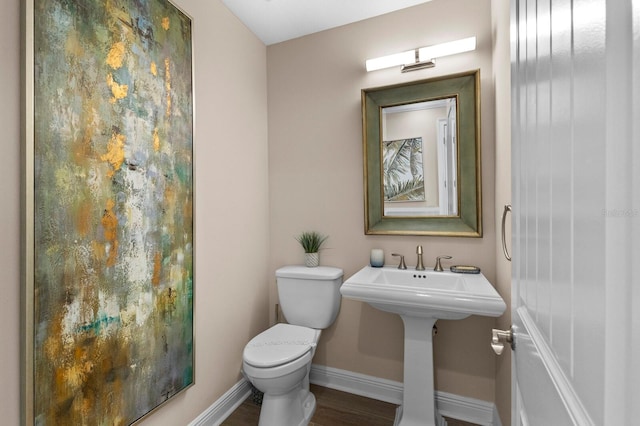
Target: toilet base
pixel 291 409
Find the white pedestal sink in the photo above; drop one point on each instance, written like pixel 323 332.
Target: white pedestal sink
pixel 421 298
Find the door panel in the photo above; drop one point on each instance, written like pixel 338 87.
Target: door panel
pixel 561 55
pixel 544 401
pixel 633 382
pixel 573 163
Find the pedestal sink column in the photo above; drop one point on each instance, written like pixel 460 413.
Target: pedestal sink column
pixel 421 298
pixel 418 402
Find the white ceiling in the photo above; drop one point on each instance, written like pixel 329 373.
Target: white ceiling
pixel 274 21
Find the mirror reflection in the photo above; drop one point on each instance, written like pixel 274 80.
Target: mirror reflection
pixel 419 158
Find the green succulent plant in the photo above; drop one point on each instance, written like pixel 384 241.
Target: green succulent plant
pixel 311 241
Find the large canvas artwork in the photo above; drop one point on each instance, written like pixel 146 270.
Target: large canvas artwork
pixel 109 278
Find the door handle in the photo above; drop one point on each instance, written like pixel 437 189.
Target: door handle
pixel 507 209
pixel 500 337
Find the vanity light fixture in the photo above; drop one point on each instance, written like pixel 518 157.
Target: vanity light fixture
pixel 422 57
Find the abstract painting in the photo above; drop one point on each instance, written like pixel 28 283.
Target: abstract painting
pixel 110 284
pixel 403 173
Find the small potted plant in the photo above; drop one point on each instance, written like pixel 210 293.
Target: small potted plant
pixel 311 242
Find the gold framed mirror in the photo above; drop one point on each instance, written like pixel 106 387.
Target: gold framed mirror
pixel 422 168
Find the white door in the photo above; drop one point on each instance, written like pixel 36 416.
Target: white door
pixel 576 212
pixel 443 167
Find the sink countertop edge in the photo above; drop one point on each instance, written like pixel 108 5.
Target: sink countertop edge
pixel 495 309
pixel 477 299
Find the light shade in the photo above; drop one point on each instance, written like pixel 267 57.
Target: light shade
pixel 389 61
pixel 446 49
pixel 422 54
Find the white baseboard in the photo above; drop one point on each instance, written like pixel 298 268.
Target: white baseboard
pixel 355 383
pixel 467 409
pixel 224 406
pixel 457 407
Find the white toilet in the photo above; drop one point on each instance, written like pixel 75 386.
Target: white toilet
pixel 278 360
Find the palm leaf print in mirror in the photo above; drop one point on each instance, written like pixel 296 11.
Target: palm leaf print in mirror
pixel 403 173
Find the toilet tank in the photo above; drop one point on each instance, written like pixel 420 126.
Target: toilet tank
pixel 309 297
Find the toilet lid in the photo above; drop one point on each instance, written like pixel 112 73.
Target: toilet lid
pixel 303 272
pixel 279 345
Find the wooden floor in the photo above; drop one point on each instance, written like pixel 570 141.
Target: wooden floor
pixel 334 408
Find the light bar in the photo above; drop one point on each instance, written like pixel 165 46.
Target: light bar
pixel 414 59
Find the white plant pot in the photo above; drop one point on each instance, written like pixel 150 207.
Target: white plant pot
pixel 311 260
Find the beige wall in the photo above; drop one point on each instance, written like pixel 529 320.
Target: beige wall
pixel 10 212
pixel 315 163
pixel 231 278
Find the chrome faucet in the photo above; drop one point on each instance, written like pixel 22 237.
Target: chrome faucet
pixel 438 267
pixel 420 265
pixel 402 265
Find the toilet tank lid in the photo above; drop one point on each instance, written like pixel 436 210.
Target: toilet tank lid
pixel 317 273
pixel 279 345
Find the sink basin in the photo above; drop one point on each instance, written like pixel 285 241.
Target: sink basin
pixel 440 295
pixel 421 298
pixel 411 278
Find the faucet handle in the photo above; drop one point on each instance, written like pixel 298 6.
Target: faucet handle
pixel 438 267
pixel 402 265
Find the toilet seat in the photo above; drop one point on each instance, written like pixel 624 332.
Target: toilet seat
pixel 279 345
pixel 280 350
pixel 277 371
